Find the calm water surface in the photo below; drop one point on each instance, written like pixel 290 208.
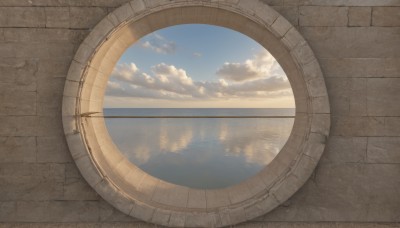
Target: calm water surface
pixel 200 152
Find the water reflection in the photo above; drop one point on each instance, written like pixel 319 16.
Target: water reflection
pixel 200 153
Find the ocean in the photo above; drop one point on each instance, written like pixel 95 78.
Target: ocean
pixel 200 148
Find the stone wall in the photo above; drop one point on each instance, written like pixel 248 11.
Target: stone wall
pixel 357 43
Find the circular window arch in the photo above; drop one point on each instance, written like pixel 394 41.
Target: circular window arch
pixel 138 194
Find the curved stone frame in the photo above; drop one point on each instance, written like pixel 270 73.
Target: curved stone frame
pixel 138 194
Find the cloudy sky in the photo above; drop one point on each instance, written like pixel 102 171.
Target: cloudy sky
pixel 198 66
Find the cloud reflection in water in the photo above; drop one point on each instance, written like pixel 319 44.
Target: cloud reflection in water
pixel 200 153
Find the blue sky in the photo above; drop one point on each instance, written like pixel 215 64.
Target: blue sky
pixel 198 66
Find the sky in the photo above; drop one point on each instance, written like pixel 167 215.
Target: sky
pixel 197 66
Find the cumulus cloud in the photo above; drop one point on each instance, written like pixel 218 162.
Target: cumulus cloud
pixel 171 83
pixel 261 65
pixel 159 44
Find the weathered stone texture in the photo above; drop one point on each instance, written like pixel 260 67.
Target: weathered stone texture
pixel 360 16
pixel 383 150
pixel 383 96
pixel 353 42
pixel 356 43
pixel 82 17
pixel 350 2
pixel 361 67
pixel 348 96
pixel 323 16
pixel 17 149
pixel 22 17
pixel 57 17
pixel 291 13
pixel 386 16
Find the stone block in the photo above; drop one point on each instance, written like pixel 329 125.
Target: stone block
pixel 383 96
pixel 217 198
pixel 142 212
pixel 177 219
pixel 361 67
pixel 18 125
pixel 26 181
pixel 148 185
pixel 353 42
pixel 281 26
pixel 292 38
pixel 383 126
pixel 345 150
pixel 314 147
pixel 161 217
pixel 320 105
pixel 336 191
pixel 43 35
pixel 260 207
pixel 282 190
pixel 360 16
pixel 54 67
pixel 170 194
pixel 197 199
pixel 201 220
pixel 349 126
pixel 42 171
pixel 349 3
pixel 291 2
pixel 291 13
pixel 323 16
pixel 109 214
pixel 273 2
pixel 58 211
pixel 22 17
pixel 386 183
pixel 91 173
pixel 17 149
pixel 8 211
pixel 57 17
pixel 365 126
pixel 83 54
pixel 57 49
pixel 52 149
pixel 237 215
pixel 386 16
pixel 383 150
pixel 266 13
pixel 99 33
pixel 86 17
pixel 348 96
pixel 18 74
pixel 303 54
pixel 17 103
pixel 111 193
pixel 50 126
pixel 123 13
pixel 239 193
pixel 137 6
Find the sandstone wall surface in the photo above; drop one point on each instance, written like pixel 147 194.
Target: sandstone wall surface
pixel 357 43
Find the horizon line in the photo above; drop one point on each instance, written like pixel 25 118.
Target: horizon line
pixel 190 117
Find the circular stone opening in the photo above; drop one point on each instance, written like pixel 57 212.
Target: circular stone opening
pixel 139 194
pixel 199 106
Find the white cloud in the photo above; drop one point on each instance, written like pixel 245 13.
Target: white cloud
pixel 159 44
pixel 260 66
pixel 171 83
